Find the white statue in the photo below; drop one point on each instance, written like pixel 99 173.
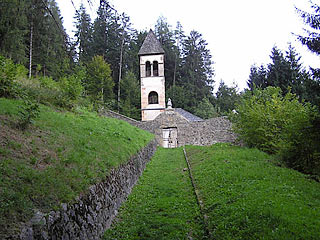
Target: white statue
pixel 169 105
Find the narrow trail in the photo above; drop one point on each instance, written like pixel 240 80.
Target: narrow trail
pixel 164 203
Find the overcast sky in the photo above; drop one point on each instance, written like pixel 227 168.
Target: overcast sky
pixel 238 33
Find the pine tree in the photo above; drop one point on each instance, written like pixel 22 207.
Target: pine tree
pixel 226 98
pixel 257 77
pixel 130 96
pixel 13 28
pixel 83 34
pixel 312 37
pixel 196 70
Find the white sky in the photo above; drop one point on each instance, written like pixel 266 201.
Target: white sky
pixel 238 33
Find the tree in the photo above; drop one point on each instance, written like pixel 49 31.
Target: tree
pixel 285 71
pixel 13 28
pixel 312 37
pixel 280 124
pixel 179 96
pixel 226 98
pixel 205 109
pixel 196 70
pixel 83 34
pixel 167 39
pixel 130 96
pixel 257 77
pixel 99 84
pixel 278 70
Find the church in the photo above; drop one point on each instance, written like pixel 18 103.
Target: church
pixel 173 127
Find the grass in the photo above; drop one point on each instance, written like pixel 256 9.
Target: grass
pixel 162 205
pixel 57 158
pixel 247 197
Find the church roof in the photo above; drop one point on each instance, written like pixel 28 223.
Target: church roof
pixel 151 45
pixel 189 116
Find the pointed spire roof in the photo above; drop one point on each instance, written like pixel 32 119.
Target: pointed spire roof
pixel 151 45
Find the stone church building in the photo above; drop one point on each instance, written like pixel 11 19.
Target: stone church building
pixel 173 127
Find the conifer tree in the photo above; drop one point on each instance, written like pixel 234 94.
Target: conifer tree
pixel 83 34
pixel 197 71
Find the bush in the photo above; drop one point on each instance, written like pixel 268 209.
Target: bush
pixel 72 89
pixel 280 125
pixel 28 112
pixel 302 149
pixel 9 72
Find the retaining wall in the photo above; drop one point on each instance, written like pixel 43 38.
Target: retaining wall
pixel 93 212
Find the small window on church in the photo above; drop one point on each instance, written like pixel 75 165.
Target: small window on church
pixel 153 98
pixel 148 69
pixel 155 68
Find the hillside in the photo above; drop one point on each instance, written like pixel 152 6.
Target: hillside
pixel 56 158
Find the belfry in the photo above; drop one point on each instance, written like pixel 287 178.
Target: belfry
pixel 151 56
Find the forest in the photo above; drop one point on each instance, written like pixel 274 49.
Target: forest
pixel 99 68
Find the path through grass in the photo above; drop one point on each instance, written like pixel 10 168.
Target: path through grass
pixel 162 205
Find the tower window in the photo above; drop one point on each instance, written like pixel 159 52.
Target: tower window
pixel 148 69
pixel 155 68
pixel 153 98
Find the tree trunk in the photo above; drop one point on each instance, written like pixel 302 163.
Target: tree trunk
pixel 30 49
pixel 120 71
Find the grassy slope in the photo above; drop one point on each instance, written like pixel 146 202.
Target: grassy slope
pixel 246 197
pixel 162 205
pixel 57 158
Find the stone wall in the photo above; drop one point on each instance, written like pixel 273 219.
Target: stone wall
pixel 205 132
pixel 93 212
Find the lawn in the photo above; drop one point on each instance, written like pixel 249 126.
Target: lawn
pixel 57 157
pixel 246 196
pixel 162 205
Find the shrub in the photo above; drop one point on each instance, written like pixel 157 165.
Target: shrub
pixel 279 125
pixel 71 89
pixel 265 118
pixel 9 72
pixel 302 148
pixel 28 112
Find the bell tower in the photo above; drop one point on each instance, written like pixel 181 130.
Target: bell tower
pixel 151 56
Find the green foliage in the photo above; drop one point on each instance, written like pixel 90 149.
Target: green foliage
pixel 49 83
pixel 83 34
pixel 162 205
pixel 99 84
pixel 28 112
pixel 59 158
pixel 286 71
pixel 72 88
pixel 245 196
pixel 9 73
pixel 179 97
pixel 280 124
pixel 226 98
pixel 265 119
pixel 312 19
pixel 301 150
pixel 205 109
pixel 130 96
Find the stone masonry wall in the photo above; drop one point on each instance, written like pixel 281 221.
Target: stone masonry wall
pixel 205 132
pixel 93 212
